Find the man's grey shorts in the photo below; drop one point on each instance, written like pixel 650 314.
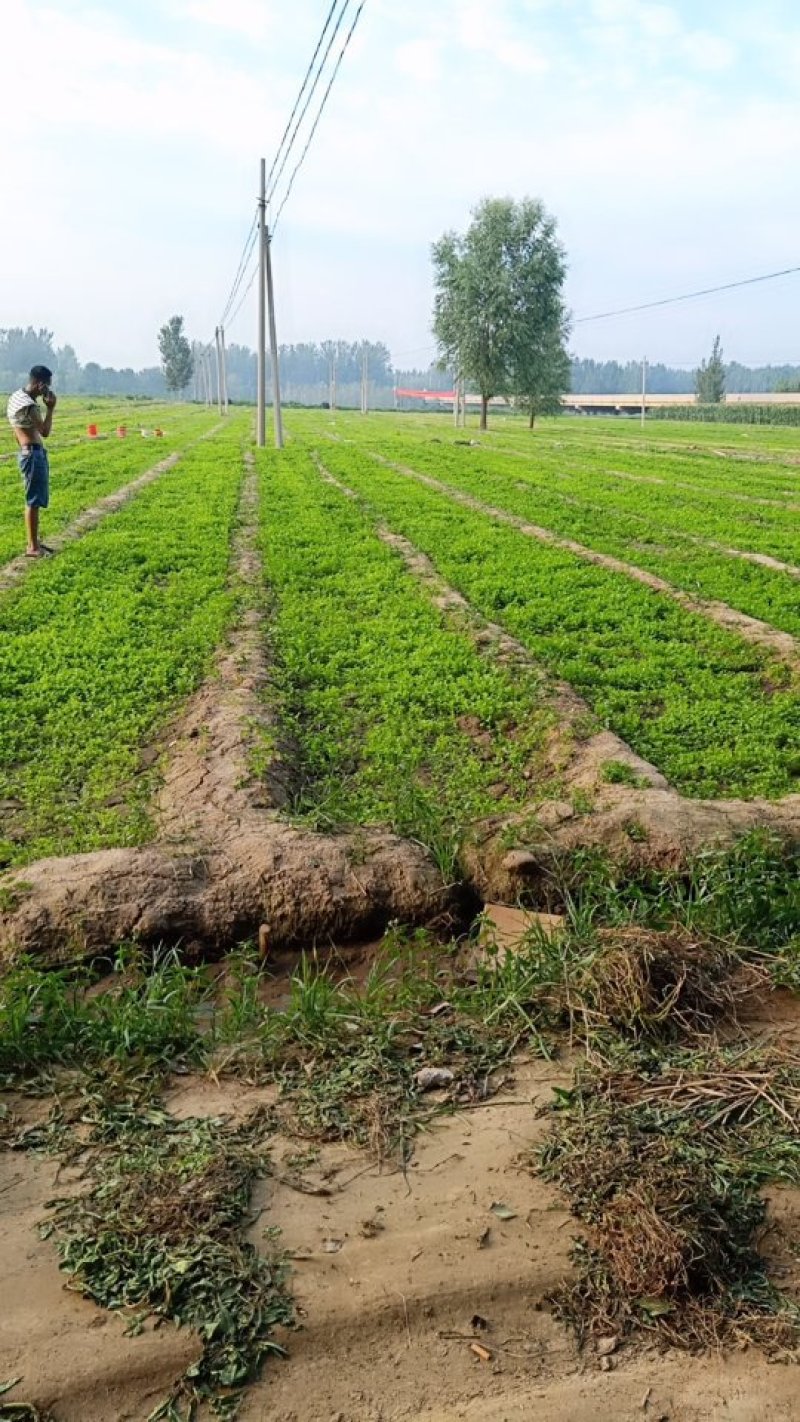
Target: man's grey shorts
pixel 35 470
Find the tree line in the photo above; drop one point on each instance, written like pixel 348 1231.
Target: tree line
pixel 306 371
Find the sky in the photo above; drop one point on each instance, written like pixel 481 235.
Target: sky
pixel 663 137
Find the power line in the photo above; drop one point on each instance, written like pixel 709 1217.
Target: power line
pixel 243 296
pixel 271 187
pixel 647 305
pixel 323 33
pixel 320 112
pixel 688 296
pixel 249 243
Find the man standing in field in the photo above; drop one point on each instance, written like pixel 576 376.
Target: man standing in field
pixel 32 429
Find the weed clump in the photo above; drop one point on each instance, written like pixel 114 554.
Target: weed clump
pixel 159 1230
pixel 664 985
pixel 664 1163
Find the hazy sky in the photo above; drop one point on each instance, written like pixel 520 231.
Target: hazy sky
pixel 664 137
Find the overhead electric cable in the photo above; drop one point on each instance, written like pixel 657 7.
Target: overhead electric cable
pixel 688 296
pixel 243 296
pixel 249 243
pixel 320 112
pixel 272 186
pixel 303 86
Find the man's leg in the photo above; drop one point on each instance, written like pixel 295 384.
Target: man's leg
pixel 32 527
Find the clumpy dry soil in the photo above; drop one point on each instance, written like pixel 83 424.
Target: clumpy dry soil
pixel 387 1268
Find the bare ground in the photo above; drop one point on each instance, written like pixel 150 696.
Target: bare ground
pixel 390 1272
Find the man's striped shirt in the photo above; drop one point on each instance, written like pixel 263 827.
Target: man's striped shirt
pixel 22 411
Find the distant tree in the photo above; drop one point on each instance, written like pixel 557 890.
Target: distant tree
pixel 68 370
pixel 176 355
pixel 498 313
pixel 21 348
pixel 92 375
pixel 709 379
pixel 787 387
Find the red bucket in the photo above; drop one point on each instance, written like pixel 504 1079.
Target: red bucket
pixel 122 431
pixel 91 431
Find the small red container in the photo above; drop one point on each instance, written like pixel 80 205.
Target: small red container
pixel 91 431
pixel 122 431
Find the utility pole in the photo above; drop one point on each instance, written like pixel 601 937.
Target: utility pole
pixel 364 382
pixel 219 369
pixel 224 359
pixel 332 382
pixel 644 388
pixel 261 347
pixel 456 398
pixel 277 415
pixel 215 372
pixel 208 377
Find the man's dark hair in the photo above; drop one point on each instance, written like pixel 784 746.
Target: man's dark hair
pixel 40 372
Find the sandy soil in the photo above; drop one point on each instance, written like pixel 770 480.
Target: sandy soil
pixel 390 1270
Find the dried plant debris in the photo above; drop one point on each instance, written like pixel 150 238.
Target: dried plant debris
pixel 665 1163
pixel 662 985
pixel 160 1230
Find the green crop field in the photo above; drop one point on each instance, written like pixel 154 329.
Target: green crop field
pixel 314 712
pixel 398 714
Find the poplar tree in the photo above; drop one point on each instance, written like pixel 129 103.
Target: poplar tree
pixel 499 314
pixel 709 378
pixel 177 360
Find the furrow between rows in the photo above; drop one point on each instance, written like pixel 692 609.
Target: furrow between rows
pixel 781 644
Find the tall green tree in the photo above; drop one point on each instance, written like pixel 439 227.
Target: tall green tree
pixel 176 355
pixel 499 316
pixel 709 379
pixel 543 376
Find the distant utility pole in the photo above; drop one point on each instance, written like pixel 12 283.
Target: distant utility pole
pixel 214 368
pixel 332 381
pixel 219 369
pixel 456 399
pixel 209 383
pixel 261 346
pixel 364 382
pixel 224 359
pixel 277 414
pixel 644 388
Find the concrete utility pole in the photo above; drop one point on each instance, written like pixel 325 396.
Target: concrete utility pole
pixel 332 382
pixel 364 382
pixel 219 369
pixel 456 398
pixel 277 415
pixel 208 377
pixel 644 388
pixel 261 343
pixel 214 367
pixel 224 368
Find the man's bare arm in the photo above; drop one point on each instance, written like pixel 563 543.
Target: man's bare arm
pixel 46 424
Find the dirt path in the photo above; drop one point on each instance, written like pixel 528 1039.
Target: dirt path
pixel 781 644
pixel 389 1272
